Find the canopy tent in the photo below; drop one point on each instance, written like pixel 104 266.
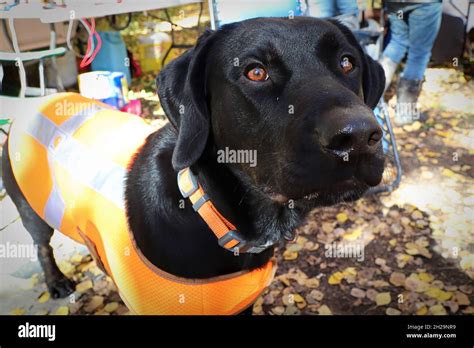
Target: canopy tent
pixel 64 10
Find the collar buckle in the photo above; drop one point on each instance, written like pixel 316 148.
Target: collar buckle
pixel 187 182
pixel 232 240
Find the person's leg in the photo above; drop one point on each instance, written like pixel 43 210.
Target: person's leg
pixel 348 13
pixel 321 8
pixel 398 45
pixel 396 48
pixel 424 23
pixel 423 26
pixel 347 7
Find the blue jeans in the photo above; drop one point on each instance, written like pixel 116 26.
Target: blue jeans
pixel 332 8
pixel 415 33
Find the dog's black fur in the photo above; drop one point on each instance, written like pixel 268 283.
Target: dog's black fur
pixel 212 105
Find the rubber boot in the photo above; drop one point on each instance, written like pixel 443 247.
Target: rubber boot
pixel 407 110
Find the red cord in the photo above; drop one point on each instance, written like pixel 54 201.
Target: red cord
pixel 88 60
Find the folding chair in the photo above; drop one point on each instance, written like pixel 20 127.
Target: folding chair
pixel 20 57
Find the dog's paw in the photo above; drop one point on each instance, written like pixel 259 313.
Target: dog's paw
pixel 60 288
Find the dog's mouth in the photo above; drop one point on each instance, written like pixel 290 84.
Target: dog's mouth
pixel 343 191
pixel 296 206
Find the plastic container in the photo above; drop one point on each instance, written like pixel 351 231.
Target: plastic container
pixel 108 87
pixel 151 49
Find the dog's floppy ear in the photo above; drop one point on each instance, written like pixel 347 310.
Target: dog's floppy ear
pixel 373 81
pixel 182 91
pixel 373 76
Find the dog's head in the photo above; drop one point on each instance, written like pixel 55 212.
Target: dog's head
pixel 299 92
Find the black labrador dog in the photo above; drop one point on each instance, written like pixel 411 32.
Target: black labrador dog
pixel 299 92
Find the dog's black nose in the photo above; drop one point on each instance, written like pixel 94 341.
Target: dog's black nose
pixel 352 134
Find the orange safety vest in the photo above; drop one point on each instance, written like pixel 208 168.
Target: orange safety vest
pixel 70 161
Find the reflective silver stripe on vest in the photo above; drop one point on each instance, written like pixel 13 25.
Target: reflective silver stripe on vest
pixel 93 171
pixel 55 207
pixel 84 165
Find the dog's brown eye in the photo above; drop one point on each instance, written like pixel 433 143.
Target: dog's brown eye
pixel 346 65
pixel 257 73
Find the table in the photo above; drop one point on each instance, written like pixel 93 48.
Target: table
pixel 63 10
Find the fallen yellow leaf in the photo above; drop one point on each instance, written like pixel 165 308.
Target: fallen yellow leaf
pixel 413 283
pixel 324 310
pixel 383 298
pixel 84 286
pixel 403 259
pixel 112 307
pixel 443 134
pixel 66 267
pixel 349 271
pixel 341 217
pixel 438 310
pixel 312 283
pixel 336 278
pixel 439 294
pixel 63 310
pixel 431 154
pixel 301 240
pixel 76 258
pixel 44 297
pixel 422 311
pixel 17 311
pixel 448 172
pixel 284 279
pixel 298 298
pixel 290 255
pixel 426 277
pixel 354 235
